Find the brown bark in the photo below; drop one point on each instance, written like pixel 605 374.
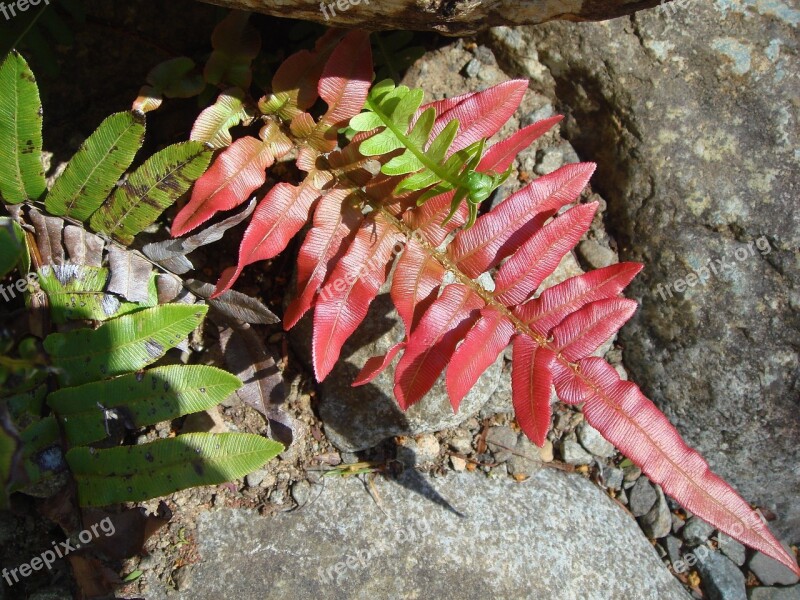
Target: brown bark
pixel 451 17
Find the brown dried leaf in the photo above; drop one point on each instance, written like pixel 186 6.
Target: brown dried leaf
pixel 130 274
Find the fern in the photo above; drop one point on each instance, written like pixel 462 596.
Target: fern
pixel 83 389
pixel 392 200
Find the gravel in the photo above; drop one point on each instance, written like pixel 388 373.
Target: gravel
pixel 501 441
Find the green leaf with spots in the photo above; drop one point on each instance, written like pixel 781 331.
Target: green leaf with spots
pixel 26 405
pixel 123 345
pixel 157 395
pixel 97 166
pixel 151 189
pixel 138 473
pixel 13 248
pixel 42 456
pixel 76 292
pixel 22 173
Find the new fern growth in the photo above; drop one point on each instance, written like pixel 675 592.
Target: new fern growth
pixel 431 163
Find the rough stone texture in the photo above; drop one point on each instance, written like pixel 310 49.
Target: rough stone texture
pixel 770 572
pixel 770 593
pixel 691 113
pixel 421 543
pixel 438 15
pixel 732 549
pixel 722 580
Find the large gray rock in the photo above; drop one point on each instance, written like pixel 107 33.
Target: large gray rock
pixel 462 536
pixel 690 111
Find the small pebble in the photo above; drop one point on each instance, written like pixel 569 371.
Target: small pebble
pixel 574 454
pixel 642 498
pixel 632 473
pixel 458 464
pixel 673 546
pixel 427 448
pixel 596 255
pixel 301 492
pixel 525 461
pixel 657 522
pixel 732 549
pixel 255 478
pixel 472 68
pixel 548 161
pixel 501 441
pixel 612 478
pixel 546 452
pixel 771 593
pixel 594 442
pixel 462 444
pixel 722 580
pixel 770 572
pixel 696 531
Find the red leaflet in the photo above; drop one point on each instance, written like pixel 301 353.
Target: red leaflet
pixel 539 256
pixel 235 174
pixel 298 76
pixel 500 232
pixel 346 81
pixel 631 422
pixel 531 381
pixel 585 331
pixel 484 342
pixel 483 114
pixel 555 303
pixel 500 156
pixel 278 217
pixel 376 365
pixel 416 281
pixel 343 302
pixel 434 341
pixel 334 222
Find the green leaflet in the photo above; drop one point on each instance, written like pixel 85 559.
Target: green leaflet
pixel 26 405
pixel 10 450
pixel 137 473
pixel 393 109
pixel 76 292
pixel 41 450
pixel 13 248
pixel 123 345
pixel 22 173
pixel 151 189
pixel 97 166
pixel 160 394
